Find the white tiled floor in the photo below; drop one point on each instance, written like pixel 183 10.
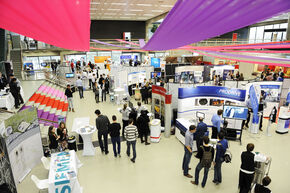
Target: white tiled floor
pixel 158 166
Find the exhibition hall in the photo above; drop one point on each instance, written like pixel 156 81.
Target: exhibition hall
pixel 138 96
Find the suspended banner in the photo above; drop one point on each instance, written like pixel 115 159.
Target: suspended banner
pixel 193 21
pixel 62 23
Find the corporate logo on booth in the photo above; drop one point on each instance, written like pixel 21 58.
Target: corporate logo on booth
pixel 212 91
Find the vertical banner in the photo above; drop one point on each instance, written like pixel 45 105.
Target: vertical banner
pixel 255 104
pixel 235 37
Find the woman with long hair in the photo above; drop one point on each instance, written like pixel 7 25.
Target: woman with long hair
pixel 63 135
pixel 53 144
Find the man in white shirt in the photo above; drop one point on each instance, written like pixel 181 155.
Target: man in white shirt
pixel 79 84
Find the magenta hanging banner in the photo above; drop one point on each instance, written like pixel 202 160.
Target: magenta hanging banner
pixel 192 21
pixel 62 23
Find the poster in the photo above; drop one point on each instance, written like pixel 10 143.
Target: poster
pixel 23 142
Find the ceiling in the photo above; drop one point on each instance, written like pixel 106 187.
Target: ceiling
pixel 137 10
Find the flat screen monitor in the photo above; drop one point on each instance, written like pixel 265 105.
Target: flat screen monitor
pixel 235 112
pixel 69 75
pixel 157 74
pixel 200 115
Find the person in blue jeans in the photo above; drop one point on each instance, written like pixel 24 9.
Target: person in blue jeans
pixel 114 131
pixel 221 148
pixel 205 154
pixel 188 150
pixel 131 135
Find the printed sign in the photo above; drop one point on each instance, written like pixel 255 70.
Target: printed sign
pixel 212 91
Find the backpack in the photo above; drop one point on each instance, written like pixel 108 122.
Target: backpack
pixel 206 158
pixel 227 156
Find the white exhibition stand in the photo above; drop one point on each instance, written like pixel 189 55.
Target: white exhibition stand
pixel 155 130
pixel 63 173
pixel 87 133
pixel 283 120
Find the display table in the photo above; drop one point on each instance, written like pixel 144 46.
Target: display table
pixel 7 101
pixel 283 120
pixel 155 130
pixel 182 125
pixel 80 122
pixel 86 132
pixel 63 173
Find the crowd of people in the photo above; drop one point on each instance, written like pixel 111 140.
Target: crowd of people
pixel 209 156
pixel 270 75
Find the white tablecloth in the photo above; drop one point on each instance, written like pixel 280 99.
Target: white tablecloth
pixel 87 133
pixel 80 122
pixel 63 173
pixel 7 101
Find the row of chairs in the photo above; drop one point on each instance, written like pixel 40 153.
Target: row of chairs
pixel 42 185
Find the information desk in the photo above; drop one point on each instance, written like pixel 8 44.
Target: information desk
pixel 63 173
pixel 7 101
pixel 182 125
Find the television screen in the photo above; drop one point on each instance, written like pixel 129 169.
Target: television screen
pixel 200 115
pixel 155 74
pixel 155 62
pixel 69 75
pixel 235 112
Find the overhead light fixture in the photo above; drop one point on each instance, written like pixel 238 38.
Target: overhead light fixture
pixel 109 13
pixel 159 11
pixel 95 3
pixel 148 14
pixel 107 17
pixel 136 10
pixel 130 14
pixel 145 5
pixel 166 6
pixel 125 17
pixel 118 3
pixel 113 9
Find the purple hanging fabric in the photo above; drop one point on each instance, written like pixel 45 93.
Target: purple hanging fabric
pixel 191 21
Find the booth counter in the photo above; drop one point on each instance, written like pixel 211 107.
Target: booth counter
pixel 183 124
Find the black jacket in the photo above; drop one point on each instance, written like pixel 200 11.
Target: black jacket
pixel 68 93
pixel 53 142
pixel 143 123
pixel 248 162
pixel 13 88
pixel 261 189
pixel 102 123
pixel 3 82
pixel 114 129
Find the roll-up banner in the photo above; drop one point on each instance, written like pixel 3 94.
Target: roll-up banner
pixel 255 104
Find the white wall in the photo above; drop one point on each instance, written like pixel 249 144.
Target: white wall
pixel 247 69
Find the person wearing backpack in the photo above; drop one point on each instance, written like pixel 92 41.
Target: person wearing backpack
pixel 221 148
pixel 205 154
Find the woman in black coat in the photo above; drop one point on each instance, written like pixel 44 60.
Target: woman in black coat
pixel 53 144
pixel 143 126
